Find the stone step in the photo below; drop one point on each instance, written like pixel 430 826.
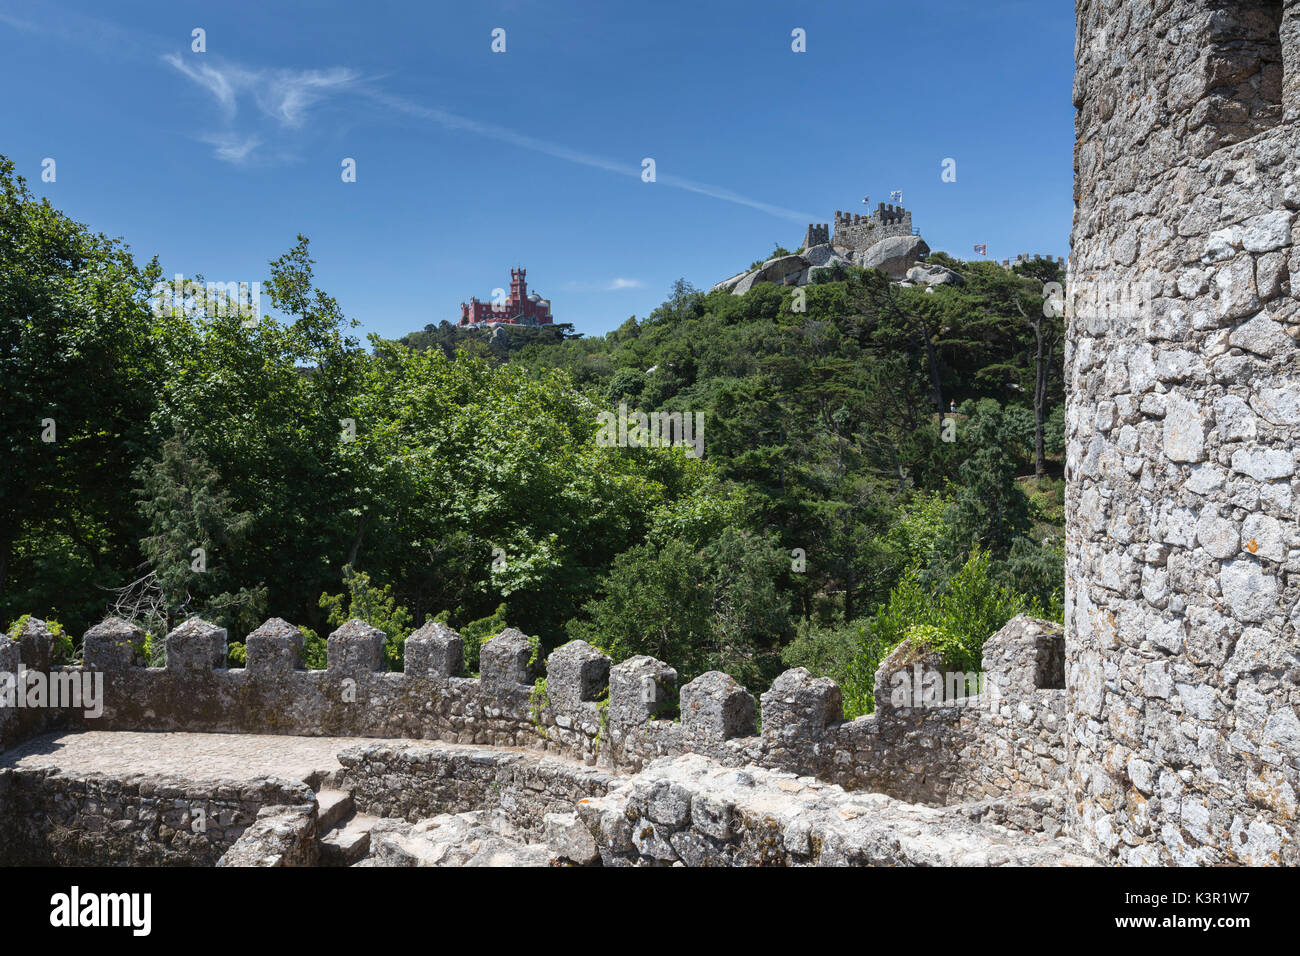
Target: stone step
pixel 332 806
pixel 348 842
pixel 324 779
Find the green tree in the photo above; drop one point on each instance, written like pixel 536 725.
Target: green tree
pixel 194 530
pixel 376 606
pixel 989 511
pixel 78 377
pixel 697 609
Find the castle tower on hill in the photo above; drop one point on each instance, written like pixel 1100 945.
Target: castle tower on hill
pixel 856 231
pixel 520 309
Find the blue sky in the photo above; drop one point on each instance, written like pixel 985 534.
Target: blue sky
pixel 470 161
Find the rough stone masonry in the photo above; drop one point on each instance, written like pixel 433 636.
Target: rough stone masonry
pixel 1183 549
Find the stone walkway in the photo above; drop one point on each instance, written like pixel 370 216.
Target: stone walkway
pixel 189 756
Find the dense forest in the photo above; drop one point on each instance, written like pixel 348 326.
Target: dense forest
pixel 879 462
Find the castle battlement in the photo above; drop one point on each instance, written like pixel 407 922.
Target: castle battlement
pixel 803 729
pixel 860 231
pixel 1036 257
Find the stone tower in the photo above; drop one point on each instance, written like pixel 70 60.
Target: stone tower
pixel 1183 432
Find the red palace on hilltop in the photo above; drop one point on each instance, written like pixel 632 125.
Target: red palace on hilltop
pixel 520 309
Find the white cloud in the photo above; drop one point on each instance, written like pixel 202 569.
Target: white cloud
pixel 231 147
pixel 287 95
pixel 284 96
pixel 604 285
pixel 523 141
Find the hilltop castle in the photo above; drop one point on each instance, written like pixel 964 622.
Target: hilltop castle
pixel 856 231
pixel 520 309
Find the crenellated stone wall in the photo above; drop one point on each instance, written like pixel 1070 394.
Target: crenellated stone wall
pixel 927 749
pixel 861 232
pixel 1183 378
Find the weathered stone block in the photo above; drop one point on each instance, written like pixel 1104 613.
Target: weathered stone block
pixel 800 705
pixel 507 659
pixel 570 837
pixel 435 650
pixel 36 644
pixel 639 687
pixel 895 689
pixel 196 647
pixel 576 672
pixel 716 707
pixel 713 815
pixel 1025 655
pixel 668 804
pixel 356 647
pixel 274 648
pixel 10 656
pixel 10 662
pixel 113 645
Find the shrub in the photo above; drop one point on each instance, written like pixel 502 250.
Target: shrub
pixel 374 605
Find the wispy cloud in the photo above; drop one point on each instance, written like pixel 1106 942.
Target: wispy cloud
pixel 606 285
pixel 16 23
pixel 501 134
pixel 232 147
pixel 284 96
pixel 220 83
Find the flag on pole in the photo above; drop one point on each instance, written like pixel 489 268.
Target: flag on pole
pixel 896 196
pixel 866 200
pixel 982 249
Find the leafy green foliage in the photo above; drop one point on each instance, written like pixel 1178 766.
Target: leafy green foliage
pixel 459 468
pixel 62 649
pixel 374 605
pixel 715 607
pixel 193 527
pixel 475 633
pixel 961 614
pixel 315 650
pixel 79 372
pixel 847 653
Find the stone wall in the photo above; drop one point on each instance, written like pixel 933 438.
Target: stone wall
pixel 1006 740
pixel 690 811
pixel 858 231
pixel 1183 548
pixel 56 819
pixel 415 782
pixel 280 836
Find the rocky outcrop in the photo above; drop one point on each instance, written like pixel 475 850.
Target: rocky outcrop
pixel 894 255
pixel 280 836
pixel 786 270
pixel 934 275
